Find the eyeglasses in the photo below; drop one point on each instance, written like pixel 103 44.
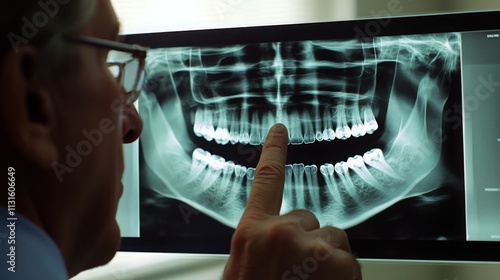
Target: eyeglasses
pixel 125 62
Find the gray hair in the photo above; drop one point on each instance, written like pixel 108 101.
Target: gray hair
pixel 43 24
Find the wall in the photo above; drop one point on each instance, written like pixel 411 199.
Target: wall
pixel 370 8
pixel 173 15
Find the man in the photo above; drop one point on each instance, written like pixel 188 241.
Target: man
pixel 64 117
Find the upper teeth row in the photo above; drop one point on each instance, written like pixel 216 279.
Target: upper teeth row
pixel 227 126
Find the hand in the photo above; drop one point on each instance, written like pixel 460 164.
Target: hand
pixel 289 247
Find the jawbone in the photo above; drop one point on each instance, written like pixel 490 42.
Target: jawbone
pixel 344 193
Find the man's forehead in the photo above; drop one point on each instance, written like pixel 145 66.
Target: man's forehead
pixel 104 23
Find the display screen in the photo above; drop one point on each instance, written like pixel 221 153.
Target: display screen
pixel 393 136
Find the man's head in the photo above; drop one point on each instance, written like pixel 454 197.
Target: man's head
pixel 63 121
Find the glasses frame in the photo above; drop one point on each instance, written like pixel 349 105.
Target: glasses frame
pixel 137 52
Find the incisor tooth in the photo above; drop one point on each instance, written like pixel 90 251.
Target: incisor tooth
pixel 255 138
pixel 296 137
pixel 309 136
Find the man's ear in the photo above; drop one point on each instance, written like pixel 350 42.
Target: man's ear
pixel 28 115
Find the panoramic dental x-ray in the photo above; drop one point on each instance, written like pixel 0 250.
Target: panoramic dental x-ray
pixel 364 119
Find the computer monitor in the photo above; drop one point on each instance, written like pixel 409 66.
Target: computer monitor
pixel 393 127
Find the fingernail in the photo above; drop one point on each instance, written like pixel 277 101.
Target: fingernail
pixel 278 129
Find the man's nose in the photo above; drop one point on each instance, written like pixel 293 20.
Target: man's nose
pixel 132 124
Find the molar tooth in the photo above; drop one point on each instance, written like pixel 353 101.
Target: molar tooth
pixel 327 169
pixel 216 162
pixel 296 137
pixel 328 133
pixel 227 173
pixel 357 164
pixel 215 167
pixel 198 122
pixel 201 156
pixel 370 124
pixel 342 131
pixel 375 158
pixel 221 135
pixel 229 168
pixel 240 171
pixel 207 128
pixel 309 136
pixel 358 129
pixel 319 136
pixel 341 167
pixel 199 162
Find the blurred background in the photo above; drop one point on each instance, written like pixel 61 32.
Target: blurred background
pixel 173 15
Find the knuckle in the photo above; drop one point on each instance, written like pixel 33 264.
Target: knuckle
pixel 337 232
pixel 241 237
pixel 344 260
pixel 278 233
pixel 336 238
pixel 305 214
pixel 282 231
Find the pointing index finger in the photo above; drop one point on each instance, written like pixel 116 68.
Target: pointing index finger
pixel 267 188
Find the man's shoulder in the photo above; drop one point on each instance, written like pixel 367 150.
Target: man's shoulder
pixel 26 251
